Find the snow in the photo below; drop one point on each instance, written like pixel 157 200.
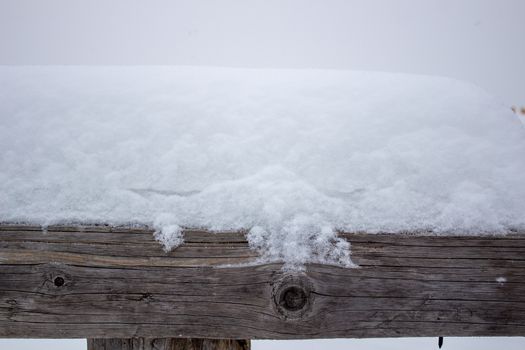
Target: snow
pixel 292 156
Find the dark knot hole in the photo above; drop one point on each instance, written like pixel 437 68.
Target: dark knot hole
pixel 59 281
pixel 293 298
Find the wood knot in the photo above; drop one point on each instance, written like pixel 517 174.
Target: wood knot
pixel 56 280
pixel 59 281
pixel 293 297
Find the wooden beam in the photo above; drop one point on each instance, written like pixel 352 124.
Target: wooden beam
pixel 108 282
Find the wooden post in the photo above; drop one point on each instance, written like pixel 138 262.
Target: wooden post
pixel 167 344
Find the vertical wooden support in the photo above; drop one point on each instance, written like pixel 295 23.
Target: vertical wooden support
pixel 166 344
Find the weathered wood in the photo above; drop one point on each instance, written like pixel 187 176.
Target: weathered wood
pixel 167 344
pixel 107 282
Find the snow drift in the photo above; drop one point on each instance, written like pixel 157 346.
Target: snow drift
pixel 290 155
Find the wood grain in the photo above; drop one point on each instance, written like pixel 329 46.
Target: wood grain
pixel 111 282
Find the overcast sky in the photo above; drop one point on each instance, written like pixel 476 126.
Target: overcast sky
pixel 481 41
pixel 476 40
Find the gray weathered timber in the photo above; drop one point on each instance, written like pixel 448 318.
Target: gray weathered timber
pixel 167 344
pixel 110 282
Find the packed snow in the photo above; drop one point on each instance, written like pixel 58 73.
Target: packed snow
pixel 291 156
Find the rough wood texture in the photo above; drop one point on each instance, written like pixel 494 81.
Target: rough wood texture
pixel 167 344
pixel 103 282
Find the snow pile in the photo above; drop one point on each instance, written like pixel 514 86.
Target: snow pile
pixel 291 156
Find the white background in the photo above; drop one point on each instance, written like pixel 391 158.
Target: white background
pixel 481 41
pixel 476 40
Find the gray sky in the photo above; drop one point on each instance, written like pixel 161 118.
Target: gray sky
pixel 476 40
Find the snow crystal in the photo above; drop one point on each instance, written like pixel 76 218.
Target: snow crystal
pixel 291 156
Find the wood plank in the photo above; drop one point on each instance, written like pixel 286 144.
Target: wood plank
pixel 117 282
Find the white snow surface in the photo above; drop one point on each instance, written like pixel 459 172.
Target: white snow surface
pixel 292 156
